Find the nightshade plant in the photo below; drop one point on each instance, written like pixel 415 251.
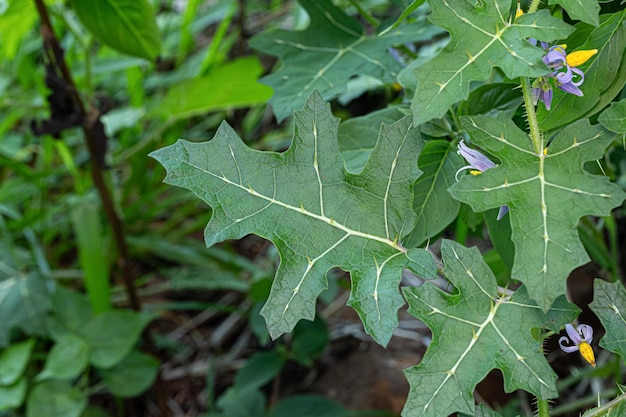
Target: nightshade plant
pixel 320 215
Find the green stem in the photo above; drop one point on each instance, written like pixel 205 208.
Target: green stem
pixel 534 5
pixel 366 15
pixel 542 408
pixel 531 116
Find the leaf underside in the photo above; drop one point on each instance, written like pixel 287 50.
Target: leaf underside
pixel 546 194
pixel 317 214
pixel 474 331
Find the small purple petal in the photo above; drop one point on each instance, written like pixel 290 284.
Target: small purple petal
pixel 586 332
pixel 535 93
pixel 573 334
pixel 476 159
pixel 572 89
pixel 555 58
pixel 503 210
pixel 564 77
pixel 580 74
pixel 546 97
pixel 567 349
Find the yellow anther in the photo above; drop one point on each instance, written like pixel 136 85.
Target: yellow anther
pixel 475 172
pixel 587 353
pixel 580 57
pixel 545 150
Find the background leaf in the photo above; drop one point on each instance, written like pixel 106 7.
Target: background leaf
pixel 24 302
pixel 68 402
pixel 546 195
pixel 358 135
pixel 67 359
pixel 326 55
pixel 434 206
pixel 492 98
pixel 308 406
pixel 483 35
pixel 15 22
pixel 238 88
pixel 112 335
pixel 132 376
pixel 12 396
pixel 605 75
pixel 585 10
pixel 13 361
pixel 128 26
pixel 614 118
pixel 474 331
pixel 318 215
pixel 609 304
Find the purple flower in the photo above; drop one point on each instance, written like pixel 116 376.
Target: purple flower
pixel 580 338
pixel 542 91
pixel 478 163
pixel 564 73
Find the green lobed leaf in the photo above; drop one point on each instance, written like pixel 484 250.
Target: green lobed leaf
pixel 609 304
pixel 546 195
pixel 585 10
pixel 434 206
pixel 614 118
pixel 605 76
pixel 483 35
pixel 474 331
pixel 325 56
pixel 125 25
pixel 318 215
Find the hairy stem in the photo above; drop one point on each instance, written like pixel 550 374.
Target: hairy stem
pixel 534 5
pixel 531 117
pixel 542 408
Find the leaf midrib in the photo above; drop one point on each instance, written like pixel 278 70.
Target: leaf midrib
pixel 328 220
